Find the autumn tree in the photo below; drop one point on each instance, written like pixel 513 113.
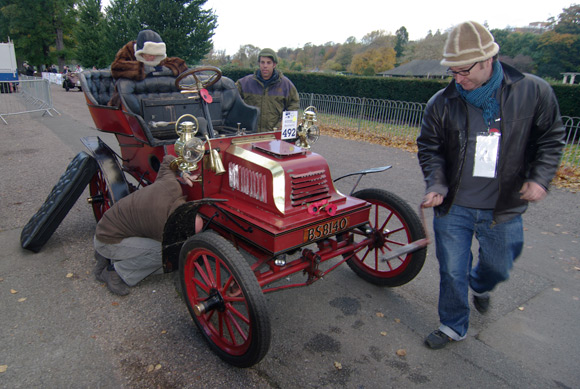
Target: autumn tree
pixel 247 56
pixel 430 47
pixel 373 61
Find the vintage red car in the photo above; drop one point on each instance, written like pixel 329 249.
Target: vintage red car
pixel 269 205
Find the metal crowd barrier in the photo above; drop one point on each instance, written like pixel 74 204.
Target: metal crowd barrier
pixel 402 120
pixel 27 95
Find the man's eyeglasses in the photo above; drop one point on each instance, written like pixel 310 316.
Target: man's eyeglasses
pixel 461 72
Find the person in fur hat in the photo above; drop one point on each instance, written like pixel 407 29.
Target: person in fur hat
pixel 144 57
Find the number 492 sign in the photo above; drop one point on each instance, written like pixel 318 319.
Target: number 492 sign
pixel 289 124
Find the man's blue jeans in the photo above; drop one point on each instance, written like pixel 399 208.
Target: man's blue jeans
pixel 499 245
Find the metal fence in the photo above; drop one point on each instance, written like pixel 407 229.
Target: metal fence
pixel 400 119
pixel 29 94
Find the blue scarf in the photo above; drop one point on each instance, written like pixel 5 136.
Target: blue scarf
pixel 484 96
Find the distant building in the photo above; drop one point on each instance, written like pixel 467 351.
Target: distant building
pixel 430 68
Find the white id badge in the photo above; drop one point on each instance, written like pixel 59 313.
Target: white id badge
pixel 486 154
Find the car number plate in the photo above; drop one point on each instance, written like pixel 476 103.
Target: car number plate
pixel 326 229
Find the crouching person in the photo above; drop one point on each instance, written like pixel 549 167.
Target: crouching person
pixel 128 237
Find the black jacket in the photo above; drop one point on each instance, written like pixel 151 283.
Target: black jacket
pixel 532 138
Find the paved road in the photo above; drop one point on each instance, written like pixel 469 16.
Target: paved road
pixel 61 328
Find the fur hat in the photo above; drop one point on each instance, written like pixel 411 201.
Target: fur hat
pixel 149 42
pixel 268 53
pixel 467 43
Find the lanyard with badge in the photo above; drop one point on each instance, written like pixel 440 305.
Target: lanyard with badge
pixel 487 152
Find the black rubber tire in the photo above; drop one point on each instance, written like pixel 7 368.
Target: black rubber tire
pixel 241 313
pixel 59 202
pixel 394 215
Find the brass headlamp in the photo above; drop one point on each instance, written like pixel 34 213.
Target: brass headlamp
pixel 189 149
pixel 308 131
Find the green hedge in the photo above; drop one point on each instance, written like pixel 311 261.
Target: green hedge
pixel 400 89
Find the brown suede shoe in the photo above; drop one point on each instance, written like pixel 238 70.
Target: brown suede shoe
pixel 115 284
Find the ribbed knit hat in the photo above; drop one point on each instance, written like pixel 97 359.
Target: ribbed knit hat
pixel 268 53
pixel 149 42
pixel 467 43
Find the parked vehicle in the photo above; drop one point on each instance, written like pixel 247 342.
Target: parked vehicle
pixel 71 80
pixel 8 69
pixel 269 205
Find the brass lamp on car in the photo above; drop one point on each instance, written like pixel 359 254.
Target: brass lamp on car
pixel 189 149
pixel 308 131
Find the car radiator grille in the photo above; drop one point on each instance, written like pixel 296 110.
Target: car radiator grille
pixel 309 187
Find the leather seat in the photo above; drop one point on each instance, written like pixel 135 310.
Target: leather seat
pixel 98 86
pixel 157 99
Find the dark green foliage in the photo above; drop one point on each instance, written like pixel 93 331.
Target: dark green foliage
pixel 40 30
pixel 400 89
pixel 90 33
pixel 184 26
pixel 122 25
pixel 568 99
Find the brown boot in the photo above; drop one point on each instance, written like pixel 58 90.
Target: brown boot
pixel 101 264
pixel 114 282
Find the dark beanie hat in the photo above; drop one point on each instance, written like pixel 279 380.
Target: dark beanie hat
pixel 149 42
pixel 269 53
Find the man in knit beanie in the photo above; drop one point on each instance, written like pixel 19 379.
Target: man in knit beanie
pixel 490 143
pixel 142 58
pixel 269 90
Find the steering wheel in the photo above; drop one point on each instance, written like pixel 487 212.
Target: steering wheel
pixel 212 74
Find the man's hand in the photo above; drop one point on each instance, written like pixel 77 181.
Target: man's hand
pixel 189 179
pixel 432 199
pixel 532 192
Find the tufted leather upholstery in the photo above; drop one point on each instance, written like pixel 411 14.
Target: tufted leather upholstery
pixel 98 86
pixel 226 110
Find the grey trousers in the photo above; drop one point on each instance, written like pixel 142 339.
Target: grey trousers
pixel 134 258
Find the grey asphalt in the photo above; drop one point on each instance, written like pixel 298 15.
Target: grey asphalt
pixel 61 328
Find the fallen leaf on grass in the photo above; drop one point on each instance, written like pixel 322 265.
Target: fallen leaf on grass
pixel 115 304
pixel 150 368
pixel 397 320
pixel 380 314
pixel 384 333
pixel 21 299
pixel 13 291
pixel 69 275
pixel 338 365
pixel 521 308
pixel 158 366
pixel 163 332
pixel 401 352
pixel 3 368
pixel 556 289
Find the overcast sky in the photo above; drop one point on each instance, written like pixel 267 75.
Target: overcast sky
pixel 294 23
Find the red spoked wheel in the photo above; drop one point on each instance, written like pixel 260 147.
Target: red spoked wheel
pixel 225 300
pixel 100 198
pixel 392 224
